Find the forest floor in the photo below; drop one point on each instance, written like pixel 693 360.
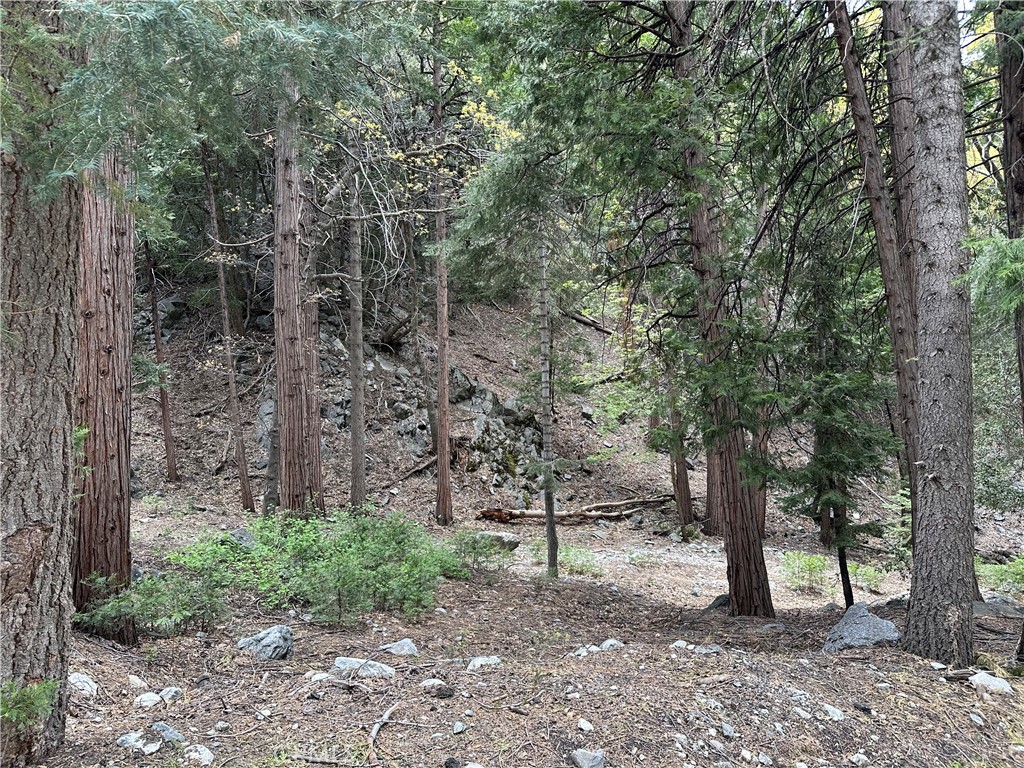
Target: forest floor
pixel 739 691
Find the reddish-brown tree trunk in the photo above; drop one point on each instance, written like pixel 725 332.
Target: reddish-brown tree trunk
pixel 896 265
pixel 103 387
pixel 301 483
pixel 39 240
pixel 749 589
pixel 443 507
pixel 677 461
pixel 547 453
pixel 170 453
pixel 357 369
pixel 234 407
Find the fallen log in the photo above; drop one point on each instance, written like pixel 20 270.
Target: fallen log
pixel 508 515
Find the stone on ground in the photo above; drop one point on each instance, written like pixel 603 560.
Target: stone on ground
pixel 84 684
pixel 272 643
pixel 197 753
pixel 147 700
pixel 483 661
pixel 167 732
pixel 362 668
pixel 499 539
pixel 582 758
pixel 170 693
pixel 403 647
pixel 860 629
pixel 984 683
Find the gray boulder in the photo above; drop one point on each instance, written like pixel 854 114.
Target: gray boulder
pixel 350 667
pixel 460 386
pixel 403 647
pixel 499 539
pixel 581 758
pixel 167 732
pixel 860 629
pixel 273 643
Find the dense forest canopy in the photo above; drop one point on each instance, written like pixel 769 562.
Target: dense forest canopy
pixel 797 225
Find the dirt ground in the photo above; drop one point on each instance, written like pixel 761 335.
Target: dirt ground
pixel 735 693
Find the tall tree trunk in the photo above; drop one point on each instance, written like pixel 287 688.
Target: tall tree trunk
pixel 1010 25
pixel 547 455
pixel 749 589
pixel 40 241
pixel 170 453
pixel 896 265
pixel 234 407
pixel 940 620
pixel 357 420
pixel 272 486
pixel 443 507
pixel 103 387
pixel 677 461
pixel 301 484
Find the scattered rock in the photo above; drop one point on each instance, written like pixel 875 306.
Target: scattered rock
pixel 131 740
pixel 135 681
pixel 802 713
pixel 243 538
pixel 459 727
pixel 84 684
pixel 860 759
pixel 859 629
pixel 500 540
pixel 273 643
pixel 977 719
pixel 707 650
pixel 483 661
pixel 167 732
pixel 984 683
pixel 582 758
pixel 937 665
pixel 720 602
pixel 585 726
pixel 147 700
pixel 832 712
pixel 170 693
pixel 197 753
pixel 221 726
pixel 403 647
pixel 728 731
pixel 612 644
pixel 362 668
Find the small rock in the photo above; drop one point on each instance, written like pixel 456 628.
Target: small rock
pixel 582 758
pixel 832 712
pixel 728 731
pixel 860 759
pixel 763 759
pixel 167 732
pixel 221 726
pixel 404 647
pixel 585 726
pixel 170 693
pixel 197 753
pixel 984 683
pixel 135 681
pixel 84 684
pixel 459 727
pixel 437 688
pixel 716 745
pixel 859 629
pixel 483 661
pixel 802 713
pixel 612 644
pixel 706 650
pixel 362 668
pixel 977 719
pixel 318 677
pixel 499 539
pixel 147 700
pixel 151 747
pixel 131 740
pixel 937 665
pixel 273 643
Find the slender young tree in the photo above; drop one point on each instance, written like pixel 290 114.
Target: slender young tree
pixel 40 240
pixel 170 453
pixel 547 455
pixel 103 388
pixel 940 618
pixel 234 407
pixel 357 368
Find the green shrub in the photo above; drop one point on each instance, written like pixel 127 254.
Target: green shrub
pixel 24 707
pixel 165 605
pixel 480 553
pixel 865 577
pixel 806 573
pixel 1005 578
pixel 338 567
pixel 571 560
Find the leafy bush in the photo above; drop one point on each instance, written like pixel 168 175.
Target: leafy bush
pixel 806 573
pixel 165 605
pixel 24 707
pixel 1005 578
pixel 480 553
pixel 865 577
pixel 339 567
pixel 571 560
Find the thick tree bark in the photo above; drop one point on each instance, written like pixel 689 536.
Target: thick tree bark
pixel 103 387
pixel 677 461
pixel 357 372
pixel 749 589
pixel 170 453
pixel 443 507
pixel 896 263
pixel 40 241
pixel 301 484
pixel 940 622
pixel 234 407
pixel 547 455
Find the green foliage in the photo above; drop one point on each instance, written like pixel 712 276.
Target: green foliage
pixel 480 553
pixel 163 606
pixel 865 577
pixel 997 277
pixel 806 573
pixel 1005 578
pixel 574 561
pixel 339 567
pixel 23 707
pixel 147 373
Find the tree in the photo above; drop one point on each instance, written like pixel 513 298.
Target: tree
pixel 301 479
pixel 547 457
pixel 357 369
pixel 940 618
pixel 41 238
pixel 170 454
pixel 103 390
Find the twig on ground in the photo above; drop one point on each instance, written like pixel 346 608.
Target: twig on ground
pixel 371 755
